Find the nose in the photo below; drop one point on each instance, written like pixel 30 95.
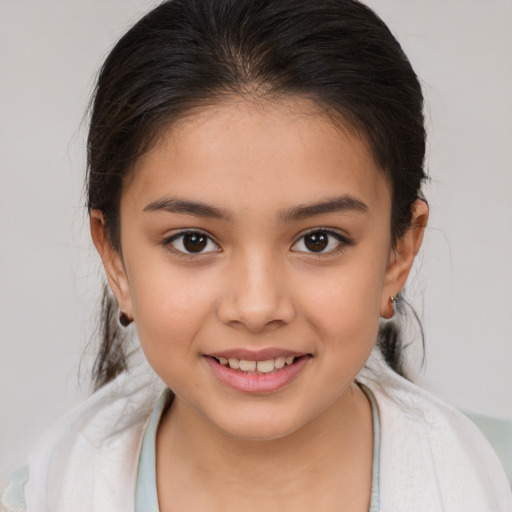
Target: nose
pixel 256 297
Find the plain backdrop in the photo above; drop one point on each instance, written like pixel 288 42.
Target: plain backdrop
pixel 50 277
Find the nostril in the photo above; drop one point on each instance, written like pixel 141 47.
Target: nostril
pixel 255 320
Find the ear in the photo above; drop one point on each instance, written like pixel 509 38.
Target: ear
pixel 112 262
pixel 401 257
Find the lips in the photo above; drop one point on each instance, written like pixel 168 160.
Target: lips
pixel 257 372
pixel 256 355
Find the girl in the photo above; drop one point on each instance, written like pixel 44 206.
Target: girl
pixel 254 190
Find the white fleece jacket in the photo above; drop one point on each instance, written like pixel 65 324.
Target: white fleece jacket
pixel 432 458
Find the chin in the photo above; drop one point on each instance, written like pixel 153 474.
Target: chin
pixel 258 425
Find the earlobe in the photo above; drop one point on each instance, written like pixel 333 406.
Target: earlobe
pixel 402 256
pixel 112 262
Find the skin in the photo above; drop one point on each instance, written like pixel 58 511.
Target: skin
pixel 308 445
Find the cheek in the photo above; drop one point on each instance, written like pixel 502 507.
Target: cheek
pixel 169 307
pixel 343 306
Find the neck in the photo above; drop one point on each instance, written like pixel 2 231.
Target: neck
pixel 320 456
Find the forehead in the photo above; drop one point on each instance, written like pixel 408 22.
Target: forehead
pixel 242 153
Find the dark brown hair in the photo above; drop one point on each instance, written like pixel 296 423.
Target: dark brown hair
pixel 188 53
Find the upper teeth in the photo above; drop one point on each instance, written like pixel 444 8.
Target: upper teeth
pixel 266 366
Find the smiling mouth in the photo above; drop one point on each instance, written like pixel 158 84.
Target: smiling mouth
pixel 257 367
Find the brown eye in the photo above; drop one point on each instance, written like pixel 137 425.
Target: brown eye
pixel 321 241
pixel 194 242
pixel 191 242
pixel 317 241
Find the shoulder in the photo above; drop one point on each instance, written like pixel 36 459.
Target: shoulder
pixel 432 456
pixel 95 445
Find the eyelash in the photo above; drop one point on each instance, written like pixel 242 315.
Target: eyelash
pixel 168 243
pixel 341 242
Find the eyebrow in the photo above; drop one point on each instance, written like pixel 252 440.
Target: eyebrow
pixel 174 205
pixel 334 205
pixel 199 209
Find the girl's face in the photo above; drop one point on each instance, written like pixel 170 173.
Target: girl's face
pixel 257 234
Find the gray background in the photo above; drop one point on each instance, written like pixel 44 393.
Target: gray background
pixel 50 276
